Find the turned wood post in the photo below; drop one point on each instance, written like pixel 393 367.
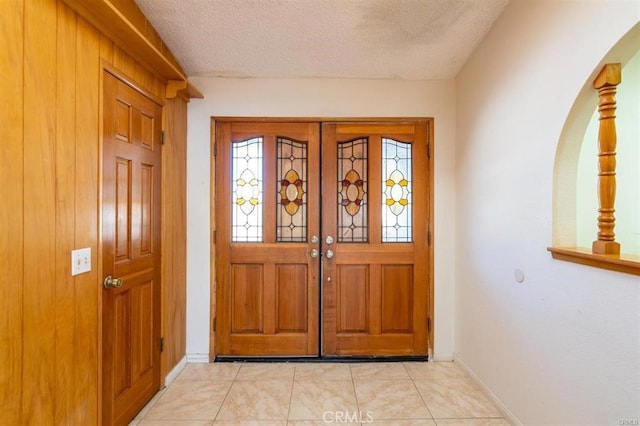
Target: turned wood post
pixel 605 83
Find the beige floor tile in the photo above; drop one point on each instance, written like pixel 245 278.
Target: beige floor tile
pixel 190 400
pixel 210 371
pixel 300 394
pixel 379 371
pixel 472 422
pixel 149 405
pixel 410 422
pixel 458 397
pixel 250 423
pixel 323 371
pixel 351 418
pixel 257 400
pixel 317 399
pixel 265 371
pixel 175 423
pixel 434 370
pixel 390 399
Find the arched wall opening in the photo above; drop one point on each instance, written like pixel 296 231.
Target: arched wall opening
pixel 576 165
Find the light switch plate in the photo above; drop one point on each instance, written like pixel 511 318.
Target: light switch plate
pixel 80 261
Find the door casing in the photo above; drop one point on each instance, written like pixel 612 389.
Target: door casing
pixel 321 120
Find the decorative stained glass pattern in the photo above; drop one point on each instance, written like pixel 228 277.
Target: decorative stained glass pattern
pixel 291 214
pixel 352 191
pixel 396 192
pixel 247 190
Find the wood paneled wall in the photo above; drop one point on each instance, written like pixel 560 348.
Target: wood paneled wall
pixel 174 232
pixel 51 69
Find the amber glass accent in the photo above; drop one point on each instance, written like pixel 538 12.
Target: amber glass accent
pixel 396 191
pixel 291 215
pixel 247 190
pixel 352 191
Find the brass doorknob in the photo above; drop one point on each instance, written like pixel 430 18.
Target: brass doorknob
pixel 111 282
pixel 329 254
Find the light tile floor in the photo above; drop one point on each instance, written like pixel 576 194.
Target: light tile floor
pixel 296 394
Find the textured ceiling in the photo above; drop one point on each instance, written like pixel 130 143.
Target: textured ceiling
pixel 390 39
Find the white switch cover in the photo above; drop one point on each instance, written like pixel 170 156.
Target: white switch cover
pixel 80 261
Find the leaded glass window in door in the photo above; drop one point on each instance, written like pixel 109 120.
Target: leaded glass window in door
pixel 352 191
pixel 247 188
pixel 396 191
pixel 291 187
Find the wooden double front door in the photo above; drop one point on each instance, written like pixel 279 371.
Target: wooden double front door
pixel 322 239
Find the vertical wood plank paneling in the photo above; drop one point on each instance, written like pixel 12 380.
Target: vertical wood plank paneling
pixel 174 231
pixel 143 77
pixel 65 214
pixel 39 215
pixel 122 61
pixel 49 335
pixel 88 80
pixel 106 49
pixel 11 214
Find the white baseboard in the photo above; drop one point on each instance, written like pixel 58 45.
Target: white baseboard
pixel 441 357
pixel 201 358
pixel 175 371
pixel 506 413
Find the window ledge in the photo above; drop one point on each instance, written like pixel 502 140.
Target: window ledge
pixel 626 263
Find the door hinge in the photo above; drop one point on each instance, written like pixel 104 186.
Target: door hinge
pixel 162 344
pixel 162 137
pixel 429 237
pixel 215 150
pixel 429 324
pixel 428 150
pixel 214 324
pixel 214 234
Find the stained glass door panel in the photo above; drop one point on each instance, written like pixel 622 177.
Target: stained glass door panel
pixel 375 208
pixel 267 183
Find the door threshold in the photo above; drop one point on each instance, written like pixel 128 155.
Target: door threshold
pixel 334 359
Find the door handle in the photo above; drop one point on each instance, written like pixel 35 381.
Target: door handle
pixel 329 254
pixel 315 253
pixel 111 282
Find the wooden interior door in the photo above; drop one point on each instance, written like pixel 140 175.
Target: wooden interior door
pixel 267 213
pixel 375 200
pixel 130 250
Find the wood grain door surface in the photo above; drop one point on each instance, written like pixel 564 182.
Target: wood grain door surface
pixel 375 209
pixel 267 293
pixel 131 250
pixel 355 280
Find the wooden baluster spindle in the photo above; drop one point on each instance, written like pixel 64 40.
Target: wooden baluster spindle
pixel 606 82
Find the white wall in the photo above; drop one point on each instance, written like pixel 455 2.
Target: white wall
pixel 563 347
pixel 318 98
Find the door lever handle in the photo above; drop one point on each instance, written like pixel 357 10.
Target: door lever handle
pixel 111 282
